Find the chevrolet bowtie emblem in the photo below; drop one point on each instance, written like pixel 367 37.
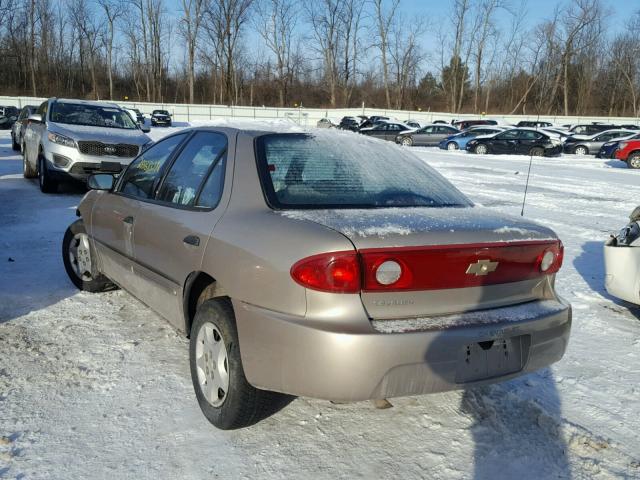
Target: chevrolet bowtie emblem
pixel 482 267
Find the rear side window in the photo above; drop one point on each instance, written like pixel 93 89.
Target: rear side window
pixel 329 170
pixel 181 185
pixel 142 176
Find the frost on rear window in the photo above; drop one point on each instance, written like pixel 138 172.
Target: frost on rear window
pixel 322 170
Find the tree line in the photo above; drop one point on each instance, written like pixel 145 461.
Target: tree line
pixel 327 53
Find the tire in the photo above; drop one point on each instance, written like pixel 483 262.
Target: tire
pixel 14 145
pixel 27 170
pixel 79 258
pixel 406 141
pixel 537 152
pixel 581 150
pixel 634 161
pixel 214 336
pixel 47 184
pixel 481 149
pixel 452 146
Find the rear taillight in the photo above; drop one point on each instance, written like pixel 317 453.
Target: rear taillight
pixel 335 272
pixel 550 260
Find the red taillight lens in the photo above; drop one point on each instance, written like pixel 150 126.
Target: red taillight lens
pixel 550 260
pixel 336 272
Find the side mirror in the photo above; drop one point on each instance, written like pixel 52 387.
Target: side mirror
pixel 35 118
pixel 101 181
pixel 144 128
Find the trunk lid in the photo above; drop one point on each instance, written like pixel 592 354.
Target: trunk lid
pixel 460 259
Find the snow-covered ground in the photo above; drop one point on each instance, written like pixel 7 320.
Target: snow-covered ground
pixel 98 386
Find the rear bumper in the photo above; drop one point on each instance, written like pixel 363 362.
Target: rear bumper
pixel 622 272
pixel 288 354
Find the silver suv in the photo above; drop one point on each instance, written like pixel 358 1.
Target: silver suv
pixel 71 139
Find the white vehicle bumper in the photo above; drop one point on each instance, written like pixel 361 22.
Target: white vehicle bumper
pixel 622 272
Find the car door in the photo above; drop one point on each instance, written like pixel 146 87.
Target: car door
pixel 504 142
pixel 423 136
pixel 114 214
pixel 440 133
pixel 527 139
pixel 171 232
pixel 33 134
pixel 392 131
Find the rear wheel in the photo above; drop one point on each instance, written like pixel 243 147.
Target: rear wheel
pixel 14 145
pixel 27 170
pixel 481 149
pixel 452 146
pixel 634 161
pixel 537 152
pixel 225 397
pixel 79 260
pixel 407 141
pixel 580 150
pixel 47 184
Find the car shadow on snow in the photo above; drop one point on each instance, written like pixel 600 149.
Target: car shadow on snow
pixel 590 265
pixel 32 225
pixel 616 164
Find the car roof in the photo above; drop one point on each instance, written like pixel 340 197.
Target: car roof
pixel 92 103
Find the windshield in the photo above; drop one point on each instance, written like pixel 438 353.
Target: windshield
pixel 334 170
pixel 160 112
pixel 90 115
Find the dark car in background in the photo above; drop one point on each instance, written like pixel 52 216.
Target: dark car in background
pixel 8 116
pixel 464 124
pixel 533 124
pixel 385 130
pixel 608 149
pixel 459 140
pixel 160 117
pixel 427 135
pixel 20 125
pixel 590 144
pixel 349 123
pixel 517 141
pixel 591 128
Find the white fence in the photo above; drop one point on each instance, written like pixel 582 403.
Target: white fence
pixel 309 116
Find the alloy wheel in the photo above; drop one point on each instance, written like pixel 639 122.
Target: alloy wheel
pixel 80 256
pixel 452 146
pixel 212 364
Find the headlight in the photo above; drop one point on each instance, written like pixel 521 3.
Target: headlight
pixel 608 144
pixel 146 145
pixel 61 140
pixel 555 142
pixel 623 145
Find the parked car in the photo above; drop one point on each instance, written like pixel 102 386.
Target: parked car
pixel 139 116
pixel 8 116
pixel 590 144
pixel 629 151
pixel 608 149
pixel 622 261
pixel 533 124
pixel 20 125
pixel 427 135
pixel 386 130
pixel 325 123
pixel 70 139
pixel 160 117
pixel 465 124
pixel 374 120
pixel 412 124
pixel 349 123
pixel 521 141
pixel 318 265
pixel 459 140
pixel 558 132
pixel 440 122
pixel 590 128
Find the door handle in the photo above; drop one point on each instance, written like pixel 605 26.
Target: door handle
pixel 128 220
pixel 192 240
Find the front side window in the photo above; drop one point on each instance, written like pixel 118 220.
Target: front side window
pixel 181 185
pixel 142 176
pixel 91 115
pixel 510 135
pixel 321 171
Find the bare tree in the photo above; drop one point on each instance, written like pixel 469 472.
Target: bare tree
pixel 192 15
pixel 112 11
pixel 384 21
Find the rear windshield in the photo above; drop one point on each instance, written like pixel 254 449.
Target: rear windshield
pixel 341 170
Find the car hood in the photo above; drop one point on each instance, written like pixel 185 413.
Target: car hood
pixel 100 134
